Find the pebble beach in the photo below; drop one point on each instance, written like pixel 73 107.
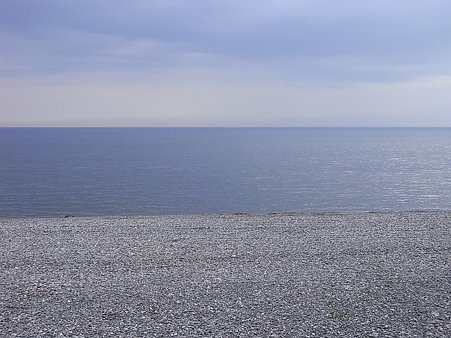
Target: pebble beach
pixel 382 274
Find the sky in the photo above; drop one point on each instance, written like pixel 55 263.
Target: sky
pixel 225 63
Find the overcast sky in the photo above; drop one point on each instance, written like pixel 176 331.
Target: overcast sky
pixel 225 63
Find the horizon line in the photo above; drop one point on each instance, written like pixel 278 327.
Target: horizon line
pixel 225 127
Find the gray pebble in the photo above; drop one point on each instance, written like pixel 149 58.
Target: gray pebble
pixel 273 275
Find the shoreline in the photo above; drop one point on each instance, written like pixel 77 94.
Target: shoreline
pixel 233 213
pixel 356 274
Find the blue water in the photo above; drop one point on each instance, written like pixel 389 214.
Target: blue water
pixel 150 171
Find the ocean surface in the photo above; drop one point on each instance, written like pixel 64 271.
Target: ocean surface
pixel 153 171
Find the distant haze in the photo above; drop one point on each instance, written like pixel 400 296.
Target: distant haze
pixel 225 63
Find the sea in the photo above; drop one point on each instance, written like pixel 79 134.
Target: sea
pixel 53 172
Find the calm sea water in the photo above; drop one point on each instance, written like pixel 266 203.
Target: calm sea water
pixel 118 171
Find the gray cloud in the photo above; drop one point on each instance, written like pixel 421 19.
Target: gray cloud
pixel 326 41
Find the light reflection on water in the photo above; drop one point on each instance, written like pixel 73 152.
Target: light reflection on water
pixel 110 171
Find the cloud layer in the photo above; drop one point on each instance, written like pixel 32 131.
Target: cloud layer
pixel 302 46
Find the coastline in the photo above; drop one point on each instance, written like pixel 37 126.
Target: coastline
pixel 279 274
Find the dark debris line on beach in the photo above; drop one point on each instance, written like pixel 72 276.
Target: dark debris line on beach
pixel 304 275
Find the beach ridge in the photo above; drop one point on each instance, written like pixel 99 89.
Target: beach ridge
pixel 279 274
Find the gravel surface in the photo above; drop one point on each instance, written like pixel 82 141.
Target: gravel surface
pixel 275 275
